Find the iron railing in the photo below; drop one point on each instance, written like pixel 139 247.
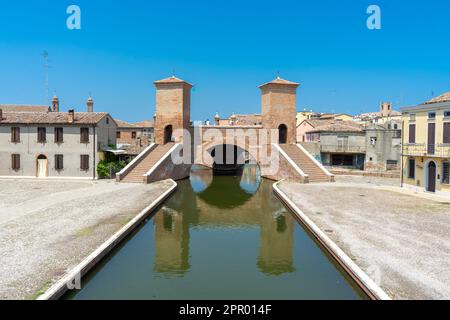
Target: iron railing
pixel 423 149
pixel 343 148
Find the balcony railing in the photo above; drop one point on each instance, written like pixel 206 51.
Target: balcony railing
pixel 422 149
pixel 343 148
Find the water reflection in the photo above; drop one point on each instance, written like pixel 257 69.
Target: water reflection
pixel 224 202
pixel 200 245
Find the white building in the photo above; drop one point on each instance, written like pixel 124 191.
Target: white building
pixel 54 144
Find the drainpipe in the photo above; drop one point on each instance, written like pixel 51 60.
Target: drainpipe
pixel 94 149
pixel 401 155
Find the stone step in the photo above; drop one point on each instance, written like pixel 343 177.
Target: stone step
pixel 146 164
pixel 309 167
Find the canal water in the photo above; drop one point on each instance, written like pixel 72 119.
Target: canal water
pixel 219 237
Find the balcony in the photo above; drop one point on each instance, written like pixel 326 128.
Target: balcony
pixel 342 149
pixel 430 150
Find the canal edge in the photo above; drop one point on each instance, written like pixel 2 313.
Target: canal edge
pixel 61 287
pixel 373 291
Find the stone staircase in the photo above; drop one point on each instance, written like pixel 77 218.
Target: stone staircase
pixel 306 164
pixel 135 175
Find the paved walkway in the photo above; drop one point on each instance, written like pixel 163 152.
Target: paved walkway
pixel 48 227
pixel 402 241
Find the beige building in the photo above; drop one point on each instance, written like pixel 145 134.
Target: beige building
pixel 426 146
pixel 238 120
pixel 336 116
pixel 54 144
pixel 386 115
pixel 306 115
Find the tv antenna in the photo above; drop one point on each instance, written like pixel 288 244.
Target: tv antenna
pixel 46 67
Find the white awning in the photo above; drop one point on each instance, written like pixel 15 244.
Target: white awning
pixel 115 152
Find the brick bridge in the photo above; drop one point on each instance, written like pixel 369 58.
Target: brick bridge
pixel 179 144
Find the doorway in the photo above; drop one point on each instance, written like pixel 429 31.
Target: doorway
pixel 431 177
pixel 42 167
pixel 282 134
pixel 168 134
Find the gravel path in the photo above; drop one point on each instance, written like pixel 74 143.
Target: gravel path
pixel 48 227
pixel 401 241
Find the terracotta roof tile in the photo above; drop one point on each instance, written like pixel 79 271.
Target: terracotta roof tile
pixel 51 117
pixel 172 79
pixel 281 81
pixel 442 98
pixel 142 124
pixel 339 126
pixel 22 108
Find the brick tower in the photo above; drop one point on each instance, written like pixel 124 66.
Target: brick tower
pixel 173 103
pixel 279 108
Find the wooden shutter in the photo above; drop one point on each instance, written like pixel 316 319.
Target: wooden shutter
pixel 59 162
pixel 431 138
pixel 446 132
pixel 15 134
pixel 42 135
pixel 412 133
pixel 15 161
pixel 84 132
pixel 84 162
pixel 59 137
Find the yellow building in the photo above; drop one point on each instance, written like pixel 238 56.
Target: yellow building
pixel 426 146
pixel 306 115
pixel 336 116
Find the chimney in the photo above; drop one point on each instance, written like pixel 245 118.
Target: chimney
pixel 71 116
pixel 55 104
pixel 90 105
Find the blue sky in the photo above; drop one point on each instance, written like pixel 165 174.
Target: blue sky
pixel 226 49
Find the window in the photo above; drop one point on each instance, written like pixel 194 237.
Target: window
pixel 84 162
pixel 411 168
pixel 118 134
pixel 446 138
pixel 391 165
pixel 84 135
pixel 15 161
pixel 431 115
pixel 15 135
pixel 59 162
pixel 42 135
pixel 412 133
pixel 59 135
pixel 395 126
pixel 447 114
pixel 412 117
pixel 446 173
pixel 107 120
pixel 133 135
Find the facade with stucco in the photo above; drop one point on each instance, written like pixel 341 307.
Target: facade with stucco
pixel 29 146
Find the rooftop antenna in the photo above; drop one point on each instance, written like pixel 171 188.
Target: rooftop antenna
pixel 46 67
pixel 278 75
pixel 173 73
